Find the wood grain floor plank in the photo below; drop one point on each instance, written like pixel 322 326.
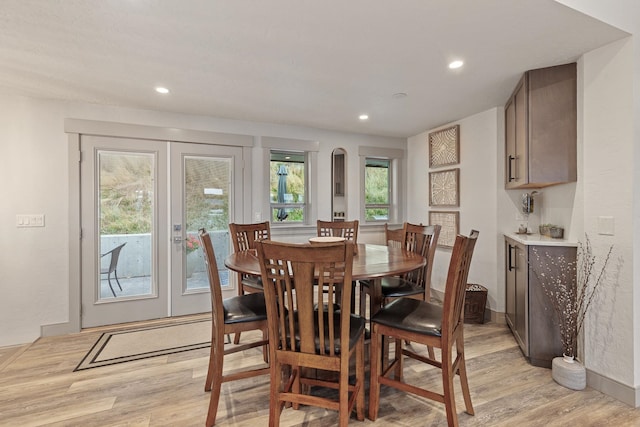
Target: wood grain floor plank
pixel 38 387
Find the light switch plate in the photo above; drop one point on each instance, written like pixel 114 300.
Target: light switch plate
pixel 30 220
pixel 606 225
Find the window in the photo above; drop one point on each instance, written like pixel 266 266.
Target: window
pixel 296 203
pixel 287 186
pixel 377 189
pixel 382 187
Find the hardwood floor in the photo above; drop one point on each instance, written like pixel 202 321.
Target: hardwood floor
pixel 38 387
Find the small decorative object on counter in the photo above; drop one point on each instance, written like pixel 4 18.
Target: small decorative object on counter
pixel 545 229
pixel 556 232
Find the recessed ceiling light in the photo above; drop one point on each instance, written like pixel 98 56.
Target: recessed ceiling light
pixel 399 95
pixel 363 117
pixel 162 90
pixel 456 64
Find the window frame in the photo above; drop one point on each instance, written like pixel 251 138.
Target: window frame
pixel 396 180
pixel 296 146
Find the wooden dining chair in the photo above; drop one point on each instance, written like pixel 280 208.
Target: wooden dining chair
pixel 420 239
pixel 422 322
pixel 346 229
pixel 232 315
pixel 304 340
pixel 393 237
pixel 244 238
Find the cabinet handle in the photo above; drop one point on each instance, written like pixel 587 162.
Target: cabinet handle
pixel 510 263
pixel 511 177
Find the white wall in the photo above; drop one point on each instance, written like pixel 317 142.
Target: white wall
pixel 608 178
pixel 478 199
pixel 605 187
pixel 34 278
pixel 605 65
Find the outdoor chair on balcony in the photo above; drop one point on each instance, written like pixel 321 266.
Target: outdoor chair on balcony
pixel 113 266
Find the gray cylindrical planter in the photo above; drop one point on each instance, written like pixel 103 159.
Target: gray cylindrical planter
pixel 569 373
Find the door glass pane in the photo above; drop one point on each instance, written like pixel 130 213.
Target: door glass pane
pixel 206 200
pixel 126 224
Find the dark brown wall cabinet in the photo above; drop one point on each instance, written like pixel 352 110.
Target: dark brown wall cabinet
pixel 529 313
pixel 541 129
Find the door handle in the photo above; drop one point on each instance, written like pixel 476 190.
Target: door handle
pixel 510 174
pixel 510 262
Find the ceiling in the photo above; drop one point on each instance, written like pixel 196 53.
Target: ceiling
pixel 297 62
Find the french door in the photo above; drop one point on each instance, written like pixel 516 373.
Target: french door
pixel 205 196
pixel 142 203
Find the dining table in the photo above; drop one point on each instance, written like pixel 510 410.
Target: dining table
pixel 371 262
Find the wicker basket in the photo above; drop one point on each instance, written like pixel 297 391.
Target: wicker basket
pixel 475 303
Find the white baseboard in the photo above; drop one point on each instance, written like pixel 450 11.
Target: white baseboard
pixel 622 392
pixel 58 329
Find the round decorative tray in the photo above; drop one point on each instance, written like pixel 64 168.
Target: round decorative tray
pixel 326 239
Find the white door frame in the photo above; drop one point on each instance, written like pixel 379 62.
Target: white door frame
pixel 76 127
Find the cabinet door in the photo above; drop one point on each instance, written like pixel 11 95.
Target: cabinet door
pixel 522 298
pixel 522 134
pixel 510 313
pixel 545 334
pixel 516 136
pixel 510 141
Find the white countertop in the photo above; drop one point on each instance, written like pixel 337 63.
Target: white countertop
pixel 539 240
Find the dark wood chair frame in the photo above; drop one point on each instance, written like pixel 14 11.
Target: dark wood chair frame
pixel 421 239
pixel 346 229
pixel 417 321
pixel 244 238
pixel 233 315
pixel 315 353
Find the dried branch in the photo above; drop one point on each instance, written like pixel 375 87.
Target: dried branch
pixel 571 287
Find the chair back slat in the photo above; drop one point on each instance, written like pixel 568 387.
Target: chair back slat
pixel 393 237
pixel 454 293
pixel 245 236
pixel 422 240
pixel 346 229
pixel 297 279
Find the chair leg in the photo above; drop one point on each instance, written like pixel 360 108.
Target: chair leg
pixel 210 370
pixel 374 386
pixel 360 379
pixel 275 407
pixel 447 386
pixel 462 370
pixel 115 274
pixel 111 287
pixel 398 373
pixel 265 348
pixel 343 396
pixel 216 381
pixel 432 354
pixel 236 338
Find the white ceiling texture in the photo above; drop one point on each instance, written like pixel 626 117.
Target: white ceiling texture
pixel 297 62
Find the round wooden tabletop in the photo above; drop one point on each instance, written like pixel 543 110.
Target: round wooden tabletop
pixel 370 262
